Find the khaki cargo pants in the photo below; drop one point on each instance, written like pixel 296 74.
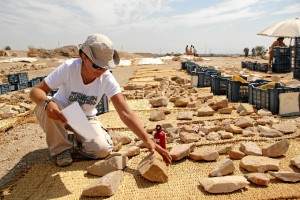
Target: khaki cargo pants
pixel 57 136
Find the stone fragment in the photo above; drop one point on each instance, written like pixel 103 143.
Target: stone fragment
pixel 133 151
pixel 159 101
pixel 154 168
pixel 244 122
pixel 224 184
pixel 187 115
pixel 205 111
pixel 265 131
pixel 233 129
pixel 264 112
pixel 258 178
pixel 224 149
pixel 286 176
pixel 121 137
pixel 225 134
pixel 267 120
pixel 223 103
pixel 250 148
pixel 180 151
pixel 213 136
pixel 225 110
pixel 193 104
pixel 157 116
pixel 235 154
pixel 182 102
pixel 222 168
pixel 112 163
pixel 296 161
pixel 104 186
pixel 277 149
pixel 285 127
pixel 205 153
pixel 209 128
pixel 259 163
pixel 189 137
pixel 248 133
pixel 245 109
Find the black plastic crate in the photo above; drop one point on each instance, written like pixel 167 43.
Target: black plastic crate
pixel 19 86
pixel 281 51
pixel 252 66
pixel 297 63
pixel 102 106
pixel 297 42
pixel 4 88
pixel 41 78
pixel 20 78
pixel 281 68
pixel 33 82
pixel 297 52
pixel 185 64
pixel 282 60
pixel 244 64
pixel 239 92
pixel 274 98
pixel 191 67
pixel 219 85
pixel 263 67
pixel 258 98
pixel 297 73
pixel 204 78
pixel 269 98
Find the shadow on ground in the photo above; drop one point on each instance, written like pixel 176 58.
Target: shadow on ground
pixel 13 175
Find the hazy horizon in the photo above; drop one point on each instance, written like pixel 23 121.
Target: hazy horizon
pixel 152 26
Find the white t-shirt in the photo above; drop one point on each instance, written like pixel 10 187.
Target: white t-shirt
pixel 67 78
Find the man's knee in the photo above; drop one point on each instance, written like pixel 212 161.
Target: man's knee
pixel 97 150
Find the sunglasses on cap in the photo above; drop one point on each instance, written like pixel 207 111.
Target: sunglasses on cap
pixel 97 67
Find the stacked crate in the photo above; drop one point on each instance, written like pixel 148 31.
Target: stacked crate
pixel 33 82
pixel 219 85
pixel 269 98
pixel 255 66
pixel 282 59
pixel 239 92
pixel 297 59
pixel 202 77
pixel 4 88
pixel 18 81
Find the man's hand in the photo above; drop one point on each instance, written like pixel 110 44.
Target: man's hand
pixel 54 112
pixel 152 146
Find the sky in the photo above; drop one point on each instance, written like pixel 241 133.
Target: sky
pixel 147 26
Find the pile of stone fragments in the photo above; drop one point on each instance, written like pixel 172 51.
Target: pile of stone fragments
pixel 190 138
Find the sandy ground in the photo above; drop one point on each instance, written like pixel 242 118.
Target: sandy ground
pixel 24 144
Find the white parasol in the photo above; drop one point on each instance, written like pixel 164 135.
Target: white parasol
pixel 287 29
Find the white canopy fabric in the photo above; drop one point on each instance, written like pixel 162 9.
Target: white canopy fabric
pixel 287 29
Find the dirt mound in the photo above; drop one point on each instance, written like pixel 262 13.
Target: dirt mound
pixel 66 51
pixel 126 55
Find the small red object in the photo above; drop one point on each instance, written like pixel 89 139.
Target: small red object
pixel 160 137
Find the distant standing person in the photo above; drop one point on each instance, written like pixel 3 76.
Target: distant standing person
pixel 278 42
pixel 246 51
pixel 253 52
pixel 187 50
pixel 195 52
pixel 192 50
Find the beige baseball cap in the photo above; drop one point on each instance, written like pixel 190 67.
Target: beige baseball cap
pixel 100 49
